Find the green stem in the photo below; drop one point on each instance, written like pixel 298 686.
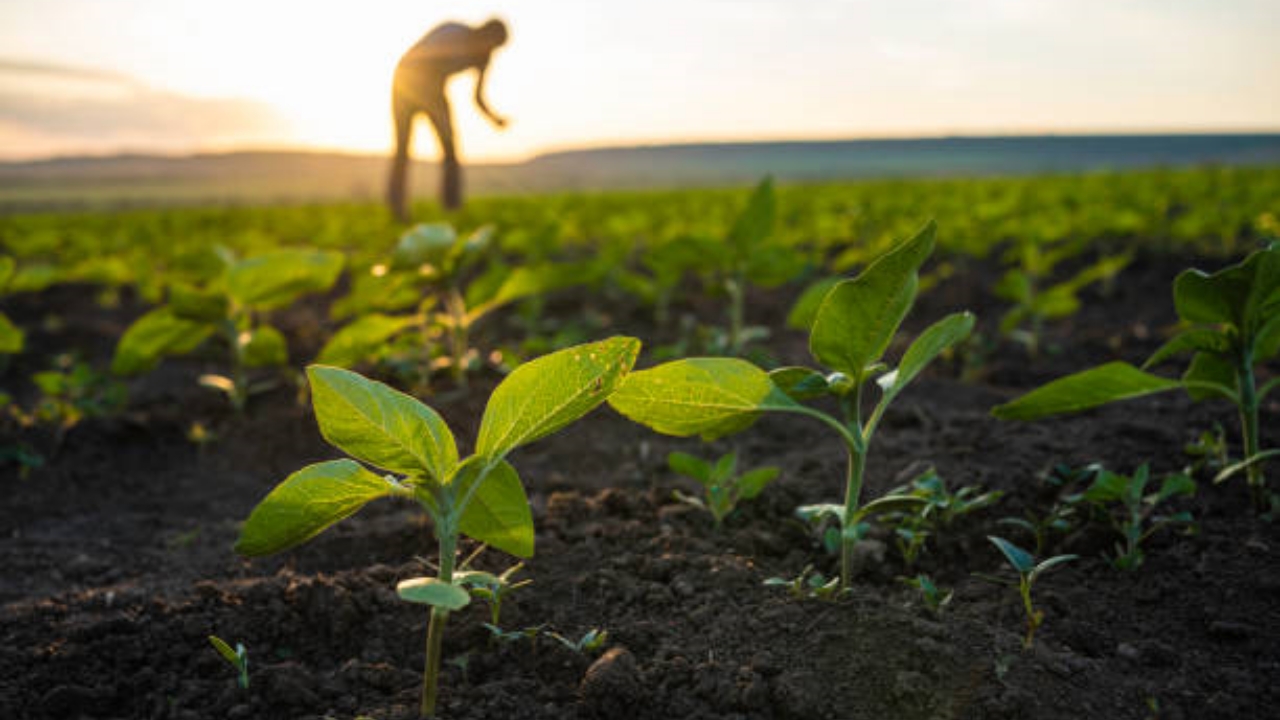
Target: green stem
pixel 852 495
pixel 239 381
pixel 734 287
pixel 1249 426
pixel 435 628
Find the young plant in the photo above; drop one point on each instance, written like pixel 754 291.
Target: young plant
pixel 590 643
pixel 1133 512
pixel 1233 319
pixel 238 657
pixel 724 487
pixel 938 510
pixel 480 497
pixel 935 599
pixel 490 588
pixel 1028 571
pixel 72 391
pixel 433 273
pixel 12 339
pixel 853 328
pixel 1034 303
pixel 231 308
pixel 808 584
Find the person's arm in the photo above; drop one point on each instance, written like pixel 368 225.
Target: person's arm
pixel 480 102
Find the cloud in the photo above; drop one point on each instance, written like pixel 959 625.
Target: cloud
pixel 50 108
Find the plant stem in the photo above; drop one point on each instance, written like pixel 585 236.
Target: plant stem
pixel 1249 426
pixel 734 287
pixel 435 628
pixel 852 494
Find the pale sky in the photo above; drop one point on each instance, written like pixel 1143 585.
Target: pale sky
pixel 101 76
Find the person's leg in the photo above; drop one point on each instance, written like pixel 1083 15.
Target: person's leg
pixel 451 181
pixel 402 113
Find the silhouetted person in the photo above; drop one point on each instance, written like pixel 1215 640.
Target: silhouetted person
pixel 419 87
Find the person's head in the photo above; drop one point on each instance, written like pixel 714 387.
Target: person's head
pixel 493 33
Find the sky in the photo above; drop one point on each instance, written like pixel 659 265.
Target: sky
pixel 178 76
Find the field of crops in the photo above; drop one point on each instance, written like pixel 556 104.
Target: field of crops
pixel 623 444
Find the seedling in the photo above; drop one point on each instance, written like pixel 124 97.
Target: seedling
pixel 940 507
pixel 589 644
pixel 1028 571
pixel 433 273
pixel 238 657
pixel 713 397
pixel 480 497
pixel 1061 516
pixel 71 392
pixel 229 308
pixel 511 636
pixel 1209 452
pixel 1233 319
pixel 12 339
pixel 935 599
pixel 724 487
pixel 492 589
pixel 808 585
pixel 1024 284
pixel 1133 512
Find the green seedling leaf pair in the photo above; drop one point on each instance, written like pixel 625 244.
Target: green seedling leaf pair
pixel 480 496
pixel 713 397
pixel 1133 511
pixel 238 657
pixel 432 274
pixel 1232 324
pixel 230 308
pixel 1028 570
pixel 938 509
pixel 935 599
pixel 723 486
pixel 808 585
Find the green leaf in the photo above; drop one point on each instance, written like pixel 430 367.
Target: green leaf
pixel 754 482
pixel 1239 295
pixel 688 465
pixel 1192 340
pixel 434 592
pixel 498 511
pixel 1107 487
pixel 7 268
pixel 859 317
pixel 1255 459
pixel 359 339
pixel 1049 564
pixel 710 397
pixel 12 339
pixel 427 243
pixel 1083 390
pixel 755 224
pixel 278 278
pixel 806 307
pixel 224 650
pixel 1020 559
pixel 927 346
pixel 198 305
pixel 887 504
pixel 381 426
pixel 800 383
pixel 306 503
pixel 153 336
pixel 545 394
pixel 1210 375
pixel 526 282
pixel 263 346
pixel 1175 484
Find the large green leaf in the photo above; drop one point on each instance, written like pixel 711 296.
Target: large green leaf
pixel 547 393
pixel 381 426
pixel 936 338
pixel 359 339
pixel 1241 295
pixel 306 503
pixel 278 278
pixel 710 397
pixel 806 306
pixel 1083 390
pixel 858 318
pixel 498 512
pixel 152 337
pixel 1211 375
pixel 524 282
pixel 425 244
pixel 12 338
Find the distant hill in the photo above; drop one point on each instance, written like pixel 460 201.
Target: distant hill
pixel 287 176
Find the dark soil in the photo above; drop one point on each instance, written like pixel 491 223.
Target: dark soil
pixel 118 564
